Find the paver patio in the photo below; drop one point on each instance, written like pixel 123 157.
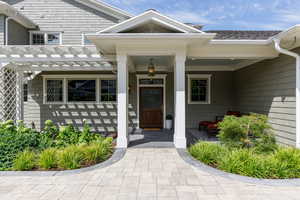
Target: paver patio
pixel 150 173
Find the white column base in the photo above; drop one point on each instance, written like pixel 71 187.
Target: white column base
pixel 122 142
pixel 180 143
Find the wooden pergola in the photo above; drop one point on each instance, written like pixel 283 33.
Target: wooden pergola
pixel 21 63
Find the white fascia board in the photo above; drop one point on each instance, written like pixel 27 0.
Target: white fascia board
pixel 10 11
pixel 178 22
pixel 151 35
pixel 238 42
pixel 106 8
pixel 148 15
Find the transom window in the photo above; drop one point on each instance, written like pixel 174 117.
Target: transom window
pixel 45 38
pixel 151 81
pixel 70 89
pixel 199 88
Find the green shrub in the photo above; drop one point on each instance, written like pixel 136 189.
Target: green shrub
pixel 266 144
pixel 48 158
pixel 244 162
pixel 207 152
pixel 86 136
pixel 24 161
pixel 71 157
pixel 67 135
pixel 246 131
pixel 281 163
pixel 15 139
pixel 97 151
pixel 285 163
pixel 50 129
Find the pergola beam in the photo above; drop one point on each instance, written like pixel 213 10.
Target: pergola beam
pixel 51 54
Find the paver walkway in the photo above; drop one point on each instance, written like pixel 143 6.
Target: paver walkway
pixel 142 174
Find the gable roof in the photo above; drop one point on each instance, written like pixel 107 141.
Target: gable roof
pixel 153 17
pixel 242 35
pixel 106 8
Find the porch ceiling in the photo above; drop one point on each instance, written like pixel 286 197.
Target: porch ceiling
pixel 211 62
pixel 166 63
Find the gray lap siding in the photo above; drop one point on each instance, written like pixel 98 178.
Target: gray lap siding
pixel 222 99
pixel 2 29
pixel 268 87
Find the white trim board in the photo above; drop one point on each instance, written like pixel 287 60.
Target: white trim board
pixel 147 16
pixel 105 8
pixel 145 76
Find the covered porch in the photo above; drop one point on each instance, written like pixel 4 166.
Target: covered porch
pixel 113 86
pixel 175 73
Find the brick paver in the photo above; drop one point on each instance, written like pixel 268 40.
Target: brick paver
pixel 152 173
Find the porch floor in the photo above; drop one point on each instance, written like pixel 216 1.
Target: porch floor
pixel 164 138
pixel 151 139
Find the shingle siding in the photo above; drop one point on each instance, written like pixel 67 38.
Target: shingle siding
pixel 65 16
pixel 268 87
pixel 17 34
pixel 2 29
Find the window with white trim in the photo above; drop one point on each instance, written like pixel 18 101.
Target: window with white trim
pixel 82 91
pixel 45 38
pixel 199 88
pixel 77 89
pixel 54 90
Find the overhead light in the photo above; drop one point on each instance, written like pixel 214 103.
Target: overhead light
pixel 151 68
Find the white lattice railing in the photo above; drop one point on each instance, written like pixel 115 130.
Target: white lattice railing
pixel 8 94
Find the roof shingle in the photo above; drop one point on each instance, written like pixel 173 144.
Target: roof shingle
pixel 242 35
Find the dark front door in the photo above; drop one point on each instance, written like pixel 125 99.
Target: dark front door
pixel 151 107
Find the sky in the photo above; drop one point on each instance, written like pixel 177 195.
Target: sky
pixel 222 14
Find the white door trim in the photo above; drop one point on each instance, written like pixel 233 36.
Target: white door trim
pixel 145 76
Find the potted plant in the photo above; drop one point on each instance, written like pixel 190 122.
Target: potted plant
pixel 169 121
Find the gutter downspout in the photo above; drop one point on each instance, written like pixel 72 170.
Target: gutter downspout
pixel 6 29
pixel 297 56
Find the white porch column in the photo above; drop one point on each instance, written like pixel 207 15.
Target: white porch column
pixel 122 140
pixel 179 73
pixel 19 96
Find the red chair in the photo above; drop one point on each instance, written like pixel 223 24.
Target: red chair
pixel 203 125
pixel 212 126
